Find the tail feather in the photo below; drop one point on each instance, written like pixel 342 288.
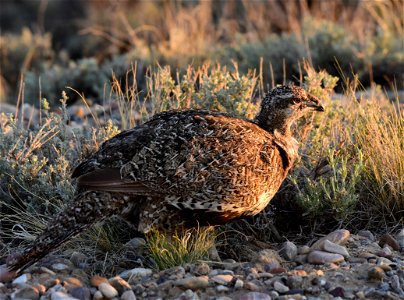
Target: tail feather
pixel 87 208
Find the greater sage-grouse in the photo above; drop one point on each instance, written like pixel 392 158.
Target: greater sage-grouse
pixel 182 168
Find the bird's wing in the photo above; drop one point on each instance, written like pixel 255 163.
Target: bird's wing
pixel 175 153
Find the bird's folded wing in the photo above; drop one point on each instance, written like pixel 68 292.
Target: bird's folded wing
pixel 109 180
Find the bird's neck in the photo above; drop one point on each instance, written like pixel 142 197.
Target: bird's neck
pixel 275 122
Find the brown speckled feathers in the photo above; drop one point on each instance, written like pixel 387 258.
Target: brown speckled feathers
pixel 183 168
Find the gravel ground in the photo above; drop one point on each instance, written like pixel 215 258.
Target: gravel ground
pixel 338 266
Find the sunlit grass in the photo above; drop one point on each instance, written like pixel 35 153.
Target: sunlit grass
pixel 186 246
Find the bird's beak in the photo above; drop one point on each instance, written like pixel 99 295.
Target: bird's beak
pixel 314 103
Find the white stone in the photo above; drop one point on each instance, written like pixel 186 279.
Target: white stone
pixel 142 272
pixel 334 248
pixel 22 279
pixel 321 257
pixel 107 290
pixel 238 284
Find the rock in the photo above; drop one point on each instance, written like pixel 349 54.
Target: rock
pixel 27 292
pixel 303 249
pixel 78 259
pixel 188 295
pixel 387 239
pixel 280 287
pixel 193 283
pixel 222 289
pixel 255 296
pixel 22 279
pixel 128 295
pixel 396 286
pixel 337 292
pixel 321 257
pixel 174 273
pixel 268 257
pixel 96 280
pixel 135 247
pixel 201 269
pixel 142 272
pixel 107 290
pixel 339 237
pixel 249 285
pixel 119 284
pixel 294 281
pixel 98 296
pixel 367 234
pixel 400 239
pixel 301 259
pixel 59 267
pixel 376 274
pixel 61 296
pixel 288 251
pixel 222 279
pixel 238 284
pixel 335 248
pixel 82 293
pixel 72 281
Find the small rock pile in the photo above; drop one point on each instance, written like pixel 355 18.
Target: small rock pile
pixel 337 266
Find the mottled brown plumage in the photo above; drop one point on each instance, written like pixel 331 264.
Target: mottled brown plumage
pixel 183 168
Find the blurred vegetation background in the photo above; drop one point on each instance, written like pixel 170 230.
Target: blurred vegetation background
pixel 55 44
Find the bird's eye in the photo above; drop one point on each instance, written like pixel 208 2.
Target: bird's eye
pixel 296 101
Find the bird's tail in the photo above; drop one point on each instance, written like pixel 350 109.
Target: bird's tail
pixel 86 209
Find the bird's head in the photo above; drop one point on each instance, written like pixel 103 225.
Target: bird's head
pixel 285 104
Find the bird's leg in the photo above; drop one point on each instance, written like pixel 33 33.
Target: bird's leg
pixel 86 209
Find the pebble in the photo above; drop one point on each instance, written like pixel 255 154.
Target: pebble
pixel 396 286
pixel 221 288
pixel 387 239
pixel 255 296
pixel 59 267
pixel 119 284
pixel 303 249
pixel 268 257
pixel 96 280
pixel 249 285
pixel 367 234
pixel 61 296
pixel 142 272
pixel 81 293
pixel 201 269
pixel 288 251
pixel 321 257
pixel 222 279
pixel 128 295
pixel 98 295
pixel 107 290
pixel 335 248
pixel 376 273
pixel 280 287
pixel 21 279
pixel 238 284
pixel 193 283
pixel 78 259
pixel 400 239
pixel 339 237
pixel 27 292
